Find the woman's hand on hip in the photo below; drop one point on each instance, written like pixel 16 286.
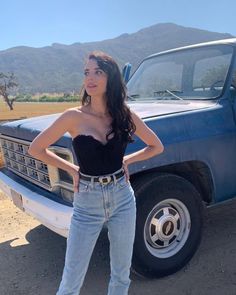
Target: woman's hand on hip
pixel 126 170
pixel 75 176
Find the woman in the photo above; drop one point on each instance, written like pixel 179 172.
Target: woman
pixel 100 130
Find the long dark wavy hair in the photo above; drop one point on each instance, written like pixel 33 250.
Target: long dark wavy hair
pixel 122 123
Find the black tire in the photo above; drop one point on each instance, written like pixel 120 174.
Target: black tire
pixel 169 224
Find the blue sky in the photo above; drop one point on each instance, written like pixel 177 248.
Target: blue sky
pixel 41 23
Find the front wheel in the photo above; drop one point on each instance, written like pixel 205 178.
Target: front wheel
pixel 169 224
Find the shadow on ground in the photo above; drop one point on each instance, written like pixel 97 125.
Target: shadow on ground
pixel 35 268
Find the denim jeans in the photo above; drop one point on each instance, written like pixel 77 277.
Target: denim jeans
pixel 97 205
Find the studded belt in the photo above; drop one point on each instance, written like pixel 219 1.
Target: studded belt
pixel 103 179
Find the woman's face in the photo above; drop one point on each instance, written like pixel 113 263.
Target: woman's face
pixel 95 79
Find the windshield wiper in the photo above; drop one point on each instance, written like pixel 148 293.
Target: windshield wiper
pixel 172 93
pixel 133 96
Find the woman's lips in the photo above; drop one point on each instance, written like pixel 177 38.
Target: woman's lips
pixel 91 85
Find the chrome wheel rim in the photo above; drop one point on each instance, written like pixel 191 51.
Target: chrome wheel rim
pixel 167 228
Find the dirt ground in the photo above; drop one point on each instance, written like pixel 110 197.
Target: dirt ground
pixel 32 258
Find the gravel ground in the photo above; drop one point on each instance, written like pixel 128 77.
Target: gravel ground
pixel 32 258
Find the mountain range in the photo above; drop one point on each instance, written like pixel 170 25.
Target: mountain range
pixel 59 68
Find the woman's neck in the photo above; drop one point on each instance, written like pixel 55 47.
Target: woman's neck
pixel 98 107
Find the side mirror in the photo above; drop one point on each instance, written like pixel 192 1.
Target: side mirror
pixel 126 72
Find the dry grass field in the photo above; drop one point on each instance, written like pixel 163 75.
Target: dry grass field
pixel 31 109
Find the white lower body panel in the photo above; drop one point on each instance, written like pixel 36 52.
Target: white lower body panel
pixel 52 214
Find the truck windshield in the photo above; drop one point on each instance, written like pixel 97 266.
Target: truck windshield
pixel 196 73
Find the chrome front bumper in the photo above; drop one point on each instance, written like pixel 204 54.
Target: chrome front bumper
pixel 52 214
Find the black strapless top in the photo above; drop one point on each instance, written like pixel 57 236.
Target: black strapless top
pixel 96 158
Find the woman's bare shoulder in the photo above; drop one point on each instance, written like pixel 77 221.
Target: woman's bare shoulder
pixel 73 113
pixel 72 118
pixel 68 118
pixel 135 117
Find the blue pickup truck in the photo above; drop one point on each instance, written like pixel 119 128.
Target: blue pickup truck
pixel 187 96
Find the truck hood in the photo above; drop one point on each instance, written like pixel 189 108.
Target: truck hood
pixel 159 108
pixel 28 129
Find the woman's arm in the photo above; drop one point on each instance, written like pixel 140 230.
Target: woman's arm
pixel 154 145
pixel 39 146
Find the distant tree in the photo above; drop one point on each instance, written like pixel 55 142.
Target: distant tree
pixel 7 83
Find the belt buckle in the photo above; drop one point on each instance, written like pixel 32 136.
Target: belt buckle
pixel 104 179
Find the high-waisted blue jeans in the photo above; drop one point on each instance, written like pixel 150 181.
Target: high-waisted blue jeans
pixel 96 205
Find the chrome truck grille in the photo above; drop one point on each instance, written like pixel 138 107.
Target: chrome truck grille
pixel 16 159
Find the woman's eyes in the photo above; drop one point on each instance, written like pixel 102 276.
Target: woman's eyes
pixel 97 72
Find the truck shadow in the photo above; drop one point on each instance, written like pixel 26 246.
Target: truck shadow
pixel 36 268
